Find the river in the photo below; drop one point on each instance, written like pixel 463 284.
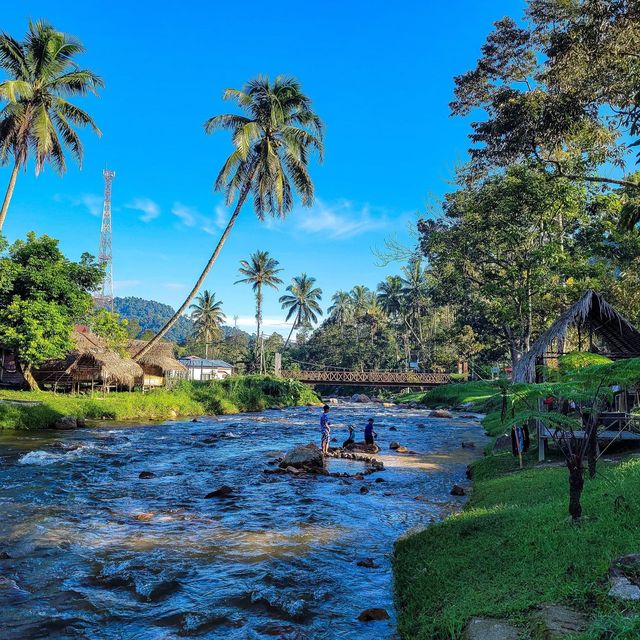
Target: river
pixel 95 552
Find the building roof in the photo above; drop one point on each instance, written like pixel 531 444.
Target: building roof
pixel 620 337
pixel 194 361
pixel 160 355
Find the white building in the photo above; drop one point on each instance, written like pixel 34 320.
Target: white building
pixel 203 369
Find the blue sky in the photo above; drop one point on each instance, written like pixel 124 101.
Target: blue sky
pixel 380 75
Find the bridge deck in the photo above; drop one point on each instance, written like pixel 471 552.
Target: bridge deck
pixel 370 378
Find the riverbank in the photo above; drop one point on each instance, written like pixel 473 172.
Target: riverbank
pixel 236 394
pixel 513 549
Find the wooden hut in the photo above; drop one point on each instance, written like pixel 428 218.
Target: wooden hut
pixel 591 324
pixel 90 364
pixel 159 365
pixel 10 376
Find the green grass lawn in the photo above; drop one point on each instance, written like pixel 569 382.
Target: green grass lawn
pixel 233 395
pixel 514 547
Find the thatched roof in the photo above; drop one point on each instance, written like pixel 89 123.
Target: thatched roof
pixel 160 355
pixel 91 352
pixel 592 311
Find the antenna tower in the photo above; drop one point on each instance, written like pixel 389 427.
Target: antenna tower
pixel 104 299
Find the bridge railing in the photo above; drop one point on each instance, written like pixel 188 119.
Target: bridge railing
pixel 409 378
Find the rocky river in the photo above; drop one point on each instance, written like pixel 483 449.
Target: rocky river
pixel 89 549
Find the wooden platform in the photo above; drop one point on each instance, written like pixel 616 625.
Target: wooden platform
pixel 605 436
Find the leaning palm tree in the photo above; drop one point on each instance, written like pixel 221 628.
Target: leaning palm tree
pixel 258 271
pixel 207 316
pixel 272 143
pixel 302 301
pixel 38 118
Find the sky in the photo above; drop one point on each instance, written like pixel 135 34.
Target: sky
pixel 380 76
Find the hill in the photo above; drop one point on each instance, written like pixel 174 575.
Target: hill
pixel 153 315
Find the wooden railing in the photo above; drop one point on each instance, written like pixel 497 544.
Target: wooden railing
pixel 370 378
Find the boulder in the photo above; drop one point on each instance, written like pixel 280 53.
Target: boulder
pixel 224 491
pixel 367 563
pixel 468 445
pixel 457 490
pixel 440 413
pixel 4 555
pixel 402 449
pixel 376 613
pixel 394 445
pixel 146 475
pixel 623 589
pixel 66 422
pixel 304 457
pixel 388 404
pixel 332 401
pixel 491 629
pixel 555 621
pixel 624 572
pixel 392 429
pixel 144 516
pixel 380 480
pixel 364 489
pixel 502 443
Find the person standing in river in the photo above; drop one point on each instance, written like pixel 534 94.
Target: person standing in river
pixel 325 429
pixel 369 433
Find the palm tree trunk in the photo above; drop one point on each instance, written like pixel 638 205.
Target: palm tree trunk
pixel 293 326
pixel 243 196
pixel 9 194
pixel 259 322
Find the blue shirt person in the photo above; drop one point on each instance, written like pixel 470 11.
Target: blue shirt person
pixel 369 433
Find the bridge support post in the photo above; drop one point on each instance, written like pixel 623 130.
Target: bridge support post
pixel 277 364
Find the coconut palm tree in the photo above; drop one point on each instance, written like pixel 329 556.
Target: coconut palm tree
pixel 302 302
pixel 272 144
pixel 342 308
pixel 258 271
pixel 38 118
pixel 207 316
pixel 391 295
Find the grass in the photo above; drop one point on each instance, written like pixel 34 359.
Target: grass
pixel 513 548
pixel 233 395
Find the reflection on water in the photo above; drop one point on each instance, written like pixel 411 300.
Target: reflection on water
pixel 96 552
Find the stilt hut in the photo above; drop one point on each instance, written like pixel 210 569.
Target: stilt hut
pixel 592 325
pixel 91 364
pixel 159 366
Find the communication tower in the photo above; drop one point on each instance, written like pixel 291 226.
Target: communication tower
pixel 104 299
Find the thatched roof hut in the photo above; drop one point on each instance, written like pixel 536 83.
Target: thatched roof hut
pixel 602 328
pixel 158 363
pixel 89 362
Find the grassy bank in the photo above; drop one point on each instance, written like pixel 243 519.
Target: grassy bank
pixel 40 410
pixel 514 548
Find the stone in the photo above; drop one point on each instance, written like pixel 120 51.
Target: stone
pixel 224 491
pixel 440 413
pixel 469 416
pixel 66 422
pixel 468 445
pixel 628 565
pixel 146 475
pixel 144 516
pixel 378 480
pixel 457 490
pixel 210 440
pixel 388 404
pixel 556 621
pixel 421 425
pixel 502 443
pixel 364 489
pixel 623 589
pixel 360 397
pixel 293 470
pixel 195 420
pixel 392 429
pixel 491 629
pixel 81 422
pixel 4 555
pixel 367 563
pixel 173 413
pixel 402 449
pixel 304 457
pixel 394 445
pixel 332 401
pixel 376 613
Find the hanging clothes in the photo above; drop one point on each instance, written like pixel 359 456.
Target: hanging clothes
pixel 520 437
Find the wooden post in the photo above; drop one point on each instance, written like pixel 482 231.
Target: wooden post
pixel 277 364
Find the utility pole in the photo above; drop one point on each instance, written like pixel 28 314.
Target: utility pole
pixel 104 299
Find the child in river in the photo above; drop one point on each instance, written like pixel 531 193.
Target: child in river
pixel 350 440
pixel 325 429
pixel 369 433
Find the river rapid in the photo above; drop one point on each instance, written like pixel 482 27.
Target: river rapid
pixel 95 552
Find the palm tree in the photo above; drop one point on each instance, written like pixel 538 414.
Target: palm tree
pixel 259 270
pixel 302 301
pixel 272 146
pixel 207 316
pixel 361 298
pixel 390 295
pixel 342 308
pixel 38 118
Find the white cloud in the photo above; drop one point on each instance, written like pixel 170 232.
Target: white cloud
pixel 92 202
pixel 148 207
pixel 175 285
pixel 339 220
pixel 191 217
pixel 125 284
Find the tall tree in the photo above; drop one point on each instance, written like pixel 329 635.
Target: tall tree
pixel 302 301
pixel 341 311
pixel 272 144
pixel 391 295
pixel 207 316
pixel 260 270
pixel 38 118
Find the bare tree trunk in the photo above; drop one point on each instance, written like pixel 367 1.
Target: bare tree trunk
pixel 243 196
pixel 576 484
pixel 8 195
pixel 25 370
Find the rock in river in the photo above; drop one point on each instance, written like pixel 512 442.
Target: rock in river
pixel 146 475
pixel 440 413
pixel 457 490
pixel 224 491
pixel 66 422
pixel 394 445
pixel 376 613
pixel 304 457
pixel 367 563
